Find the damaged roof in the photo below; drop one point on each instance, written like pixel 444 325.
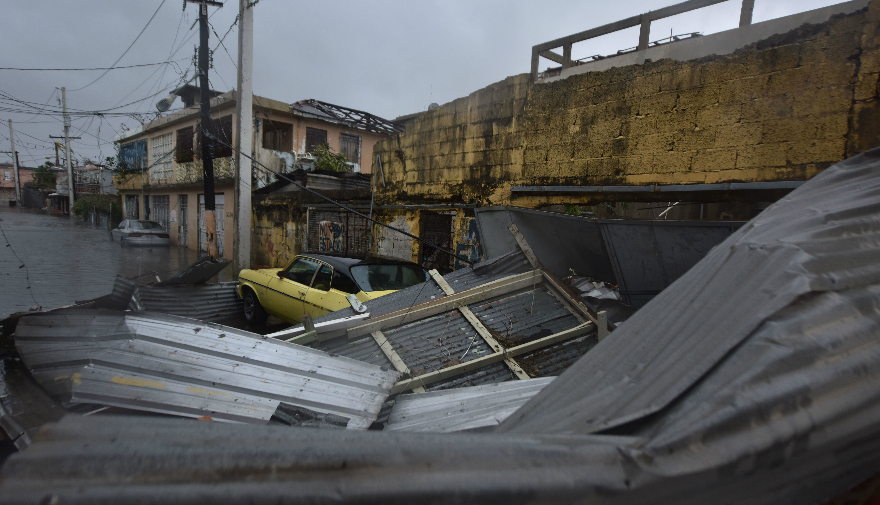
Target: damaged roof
pixel 352 118
pixel 752 379
pixel 173 365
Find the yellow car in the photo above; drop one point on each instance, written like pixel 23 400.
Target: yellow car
pixel 316 285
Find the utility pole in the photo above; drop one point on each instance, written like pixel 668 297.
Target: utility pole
pixel 14 164
pixel 207 144
pixel 70 182
pixel 244 140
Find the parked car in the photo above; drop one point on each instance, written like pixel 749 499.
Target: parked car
pixel 316 285
pixel 139 232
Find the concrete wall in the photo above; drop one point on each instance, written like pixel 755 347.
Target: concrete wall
pixel 782 109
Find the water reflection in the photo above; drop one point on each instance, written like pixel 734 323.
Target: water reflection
pixel 63 260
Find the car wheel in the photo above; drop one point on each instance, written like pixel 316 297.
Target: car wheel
pixel 253 311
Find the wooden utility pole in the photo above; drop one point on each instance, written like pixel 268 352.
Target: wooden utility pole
pixel 70 182
pixel 207 144
pixel 14 164
pixel 244 139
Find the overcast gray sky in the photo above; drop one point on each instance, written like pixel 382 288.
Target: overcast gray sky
pixel 387 57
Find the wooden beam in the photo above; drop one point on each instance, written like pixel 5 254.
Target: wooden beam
pixel 644 32
pixel 445 373
pixel 393 357
pixel 526 249
pixel 602 324
pixel 479 327
pixel 447 303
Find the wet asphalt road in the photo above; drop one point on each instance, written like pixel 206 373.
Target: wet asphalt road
pixel 51 261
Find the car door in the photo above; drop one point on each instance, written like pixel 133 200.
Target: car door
pixel 286 291
pixel 321 298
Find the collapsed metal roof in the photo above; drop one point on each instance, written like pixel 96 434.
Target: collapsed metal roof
pixel 350 117
pixel 753 379
pixel 173 365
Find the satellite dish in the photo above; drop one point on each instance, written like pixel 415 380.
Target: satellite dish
pixel 165 103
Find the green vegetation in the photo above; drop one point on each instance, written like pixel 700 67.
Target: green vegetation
pixel 44 178
pixel 107 203
pixel 328 160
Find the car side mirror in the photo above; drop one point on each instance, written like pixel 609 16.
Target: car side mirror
pixel 280 274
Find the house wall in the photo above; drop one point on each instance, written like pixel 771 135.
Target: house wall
pixel 782 109
pixel 7 187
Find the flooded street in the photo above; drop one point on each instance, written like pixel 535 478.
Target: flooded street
pixel 52 261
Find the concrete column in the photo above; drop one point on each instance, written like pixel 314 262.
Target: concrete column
pixel 645 32
pixel 745 17
pixel 245 139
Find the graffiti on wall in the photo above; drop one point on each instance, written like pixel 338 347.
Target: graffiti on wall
pixel 331 237
pixel 468 242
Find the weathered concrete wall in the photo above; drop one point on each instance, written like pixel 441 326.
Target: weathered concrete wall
pixel 782 109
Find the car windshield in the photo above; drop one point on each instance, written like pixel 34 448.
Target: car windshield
pixel 145 225
pixel 388 277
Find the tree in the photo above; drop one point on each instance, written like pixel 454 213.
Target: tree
pixel 328 160
pixel 44 177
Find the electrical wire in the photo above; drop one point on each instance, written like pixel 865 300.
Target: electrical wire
pixel 126 51
pixel 27 272
pixel 88 69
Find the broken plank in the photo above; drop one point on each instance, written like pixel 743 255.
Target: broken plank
pixel 526 249
pixel 479 327
pixel 392 356
pixel 478 294
pixel 483 332
pixel 445 373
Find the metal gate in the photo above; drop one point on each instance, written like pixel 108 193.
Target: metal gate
pixel 337 233
pixel 161 210
pixel 437 229
pixel 218 213
pixel 131 206
pixel 182 231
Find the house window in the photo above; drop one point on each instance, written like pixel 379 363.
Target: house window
pixel 184 152
pixel 134 155
pixel 221 129
pixel 350 147
pixel 162 149
pixel 277 136
pixel 314 138
pixel 6 175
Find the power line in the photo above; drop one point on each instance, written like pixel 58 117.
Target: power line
pixel 88 69
pixel 126 51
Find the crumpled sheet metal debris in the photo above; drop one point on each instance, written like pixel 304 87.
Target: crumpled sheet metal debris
pixel 753 379
pixel 463 408
pixel 173 365
pixel 199 272
pixel 216 303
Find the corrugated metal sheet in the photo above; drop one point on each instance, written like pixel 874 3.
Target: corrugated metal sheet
pixel 753 379
pixel 820 239
pixel 206 302
pixel 642 257
pixel 169 364
pixel 462 409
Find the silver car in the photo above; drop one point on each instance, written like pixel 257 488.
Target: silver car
pixel 135 232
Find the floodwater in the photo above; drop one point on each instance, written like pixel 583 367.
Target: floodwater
pixel 51 261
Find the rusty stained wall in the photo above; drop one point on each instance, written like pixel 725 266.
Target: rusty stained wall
pixel 782 109
pixel 279 233
pixel 390 244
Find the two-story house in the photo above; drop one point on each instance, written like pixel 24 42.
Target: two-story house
pixel 164 179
